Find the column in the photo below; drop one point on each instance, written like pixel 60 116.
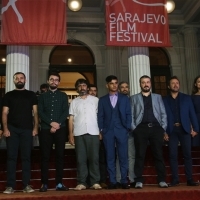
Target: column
pixel 17 60
pixel 113 61
pixel 192 56
pixel 139 65
pixel 34 56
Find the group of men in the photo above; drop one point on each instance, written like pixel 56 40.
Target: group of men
pixel 111 132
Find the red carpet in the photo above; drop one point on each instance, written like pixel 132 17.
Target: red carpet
pixel 147 193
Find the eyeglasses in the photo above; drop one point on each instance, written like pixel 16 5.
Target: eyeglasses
pixel 54 80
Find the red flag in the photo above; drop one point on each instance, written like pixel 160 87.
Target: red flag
pixel 33 22
pixel 137 23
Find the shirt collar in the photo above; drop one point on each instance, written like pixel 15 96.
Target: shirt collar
pixel 111 95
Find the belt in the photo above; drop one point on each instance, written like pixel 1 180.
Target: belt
pixel 177 124
pixel 150 124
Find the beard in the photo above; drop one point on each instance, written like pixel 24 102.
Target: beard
pixel 53 87
pixel 146 89
pixel 125 92
pixel 174 90
pixel 19 85
pixel 82 92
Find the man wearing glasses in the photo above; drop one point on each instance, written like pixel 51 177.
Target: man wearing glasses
pixel 53 111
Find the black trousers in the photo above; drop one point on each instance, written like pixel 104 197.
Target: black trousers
pixel 19 139
pixel 102 163
pixel 47 139
pixel 143 134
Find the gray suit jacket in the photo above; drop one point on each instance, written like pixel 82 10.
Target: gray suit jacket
pixel 137 107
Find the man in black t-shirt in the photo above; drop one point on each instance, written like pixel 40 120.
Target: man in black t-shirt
pixel 20 124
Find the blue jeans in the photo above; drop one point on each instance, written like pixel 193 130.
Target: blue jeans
pixel 19 138
pixel 131 160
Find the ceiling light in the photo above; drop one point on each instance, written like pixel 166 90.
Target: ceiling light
pixel 3 60
pixel 170 6
pixel 75 5
pixel 69 60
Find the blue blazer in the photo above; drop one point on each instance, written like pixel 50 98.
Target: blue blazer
pixel 187 114
pixel 105 112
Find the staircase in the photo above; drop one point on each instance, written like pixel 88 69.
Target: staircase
pixel 70 168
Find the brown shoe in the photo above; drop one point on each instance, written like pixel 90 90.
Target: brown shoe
pixel 103 185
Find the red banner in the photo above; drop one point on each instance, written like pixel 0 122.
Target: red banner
pixel 137 23
pixel 33 22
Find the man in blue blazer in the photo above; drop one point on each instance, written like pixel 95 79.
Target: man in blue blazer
pixel 149 122
pixel 182 124
pixel 114 120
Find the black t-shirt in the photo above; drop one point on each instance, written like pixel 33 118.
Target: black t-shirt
pixel 20 104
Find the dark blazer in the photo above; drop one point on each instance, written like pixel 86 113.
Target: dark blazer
pixel 187 114
pixel 105 112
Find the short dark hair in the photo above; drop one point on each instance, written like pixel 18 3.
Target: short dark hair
pixel 92 85
pixel 122 82
pixel 194 87
pixel 19 73
pixel 110 78
pixel 144 76
pixel 81 81
pixel 54 74
pixel 173 77
pixel 44 85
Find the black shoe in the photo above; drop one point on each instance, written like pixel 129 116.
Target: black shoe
pixel 118 185
pixel 125 186
pixel 61 187
pixel 173 184
pixel 112 186
pixel 192 183
pixel 43 188
pixel 132 185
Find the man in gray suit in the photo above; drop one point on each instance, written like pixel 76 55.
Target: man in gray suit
pixel 149 122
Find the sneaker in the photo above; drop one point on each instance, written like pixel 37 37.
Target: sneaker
pixel 61 187
pixel 138 185
pixel 80 187
pixel 96 186
pixel 9 190
pixel 28 189
pixel 162 184
pixel 43 188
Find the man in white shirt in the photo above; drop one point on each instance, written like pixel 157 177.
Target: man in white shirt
pixel 84 134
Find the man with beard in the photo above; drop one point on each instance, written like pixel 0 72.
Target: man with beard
pixel 84 134
pixel 149 122
pixel 19 113
pixel 114 120
pixel 182 124
pixel 53 111
pixel 92 90
pixel 124 89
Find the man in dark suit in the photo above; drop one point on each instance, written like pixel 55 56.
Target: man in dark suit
pixel 114 120
pixel 181 116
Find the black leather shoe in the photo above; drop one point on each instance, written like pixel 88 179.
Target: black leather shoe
pixel 173 184
pixel 112 186
pixel 43 188
pixel 125 186
pixel 118 185
pixel 192 183
pixel 132 184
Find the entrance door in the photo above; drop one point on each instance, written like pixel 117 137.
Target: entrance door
pixel 160 70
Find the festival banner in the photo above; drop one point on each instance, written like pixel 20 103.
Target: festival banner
pixel 33 22
pixel 137 23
